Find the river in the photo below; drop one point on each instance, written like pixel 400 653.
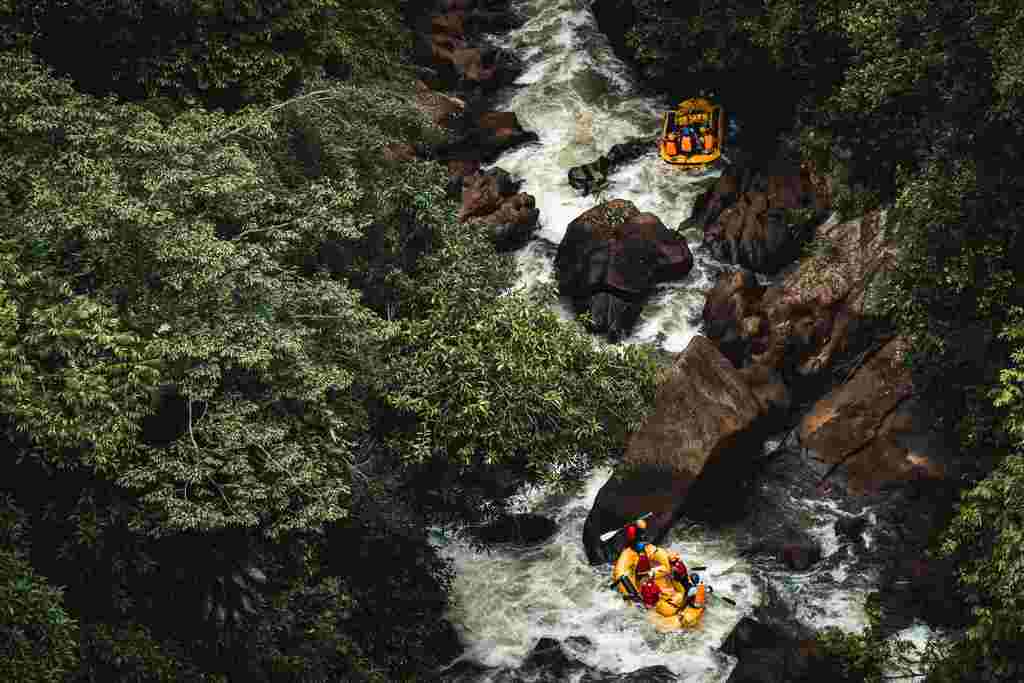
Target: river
pixel 580 100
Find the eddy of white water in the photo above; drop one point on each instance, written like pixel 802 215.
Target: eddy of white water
pixel 580 101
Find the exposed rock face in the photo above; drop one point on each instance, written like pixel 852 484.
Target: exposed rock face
pixel 588 177
pixel 744 217
pixel 610 259
pixel 815 314
pixel 875 428
pixel 697 443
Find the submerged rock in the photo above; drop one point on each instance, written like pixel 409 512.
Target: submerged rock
pixel 588 177
pixel 648 674
pixel 550 663
pixel 522 529
pixel 767 654
pixel 851 528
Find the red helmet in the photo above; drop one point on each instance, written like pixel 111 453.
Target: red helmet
pixel 631 533
pixel 679 568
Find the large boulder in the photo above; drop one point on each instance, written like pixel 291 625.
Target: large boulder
pixel 693 451
pixel 767 653
pixel 747 218
pixel 875 428
pixel 616 254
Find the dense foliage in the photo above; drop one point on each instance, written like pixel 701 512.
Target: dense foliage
pixel 242 350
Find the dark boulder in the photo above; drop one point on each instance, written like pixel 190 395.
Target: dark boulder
pixel 750 634
pixel 615 249
pixel 851 528
pixel 588 177
pixel 648 674
pixel 612 315
pixel 550 663
pixel 767 653
pixel 522 529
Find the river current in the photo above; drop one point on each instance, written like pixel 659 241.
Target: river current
pixel 580 100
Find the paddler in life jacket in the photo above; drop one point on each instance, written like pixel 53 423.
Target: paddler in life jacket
pixel 636 533
pixel 689 581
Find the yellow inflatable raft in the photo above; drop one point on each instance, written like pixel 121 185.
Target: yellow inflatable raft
pixel 667 614
pixel 704 144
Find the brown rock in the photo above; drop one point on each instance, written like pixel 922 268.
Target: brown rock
pixel 480 196
pixel 696 443
pixel 742 220
pixel 703 408
pixel 400 151
pixel 458 168
pixel 875 427
pixel 440 107
pixel 450 23
pixel 496 120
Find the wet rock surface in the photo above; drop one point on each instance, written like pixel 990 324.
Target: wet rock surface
pixel 610 259
pixel 588 177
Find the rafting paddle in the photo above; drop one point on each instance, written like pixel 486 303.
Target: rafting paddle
pixel 728 600
pixel 606 536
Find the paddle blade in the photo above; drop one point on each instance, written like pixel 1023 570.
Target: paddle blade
pixel 609 534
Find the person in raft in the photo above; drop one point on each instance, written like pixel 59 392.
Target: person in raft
pixel 688 580
pixel 636 533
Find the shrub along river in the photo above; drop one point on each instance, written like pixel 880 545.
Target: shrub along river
pixel 580 100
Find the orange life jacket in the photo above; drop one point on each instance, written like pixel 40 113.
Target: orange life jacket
pixel 709 142
pixel 687 145
pixel 671 147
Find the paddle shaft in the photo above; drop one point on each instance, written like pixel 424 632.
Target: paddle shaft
pixel 606 536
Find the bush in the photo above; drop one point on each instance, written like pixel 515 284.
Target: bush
pixel 38 639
